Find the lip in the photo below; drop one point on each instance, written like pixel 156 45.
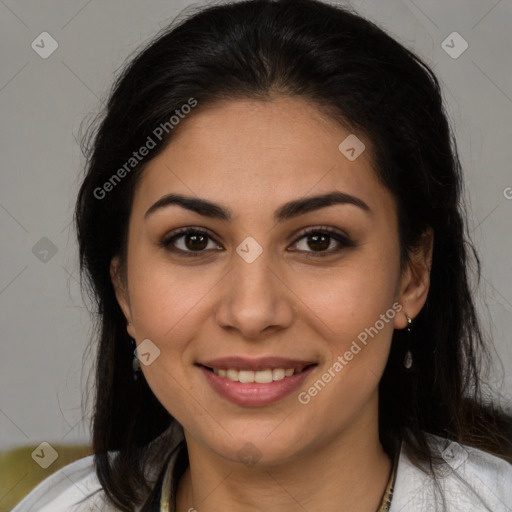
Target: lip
pixel 255 394
pixel 242 363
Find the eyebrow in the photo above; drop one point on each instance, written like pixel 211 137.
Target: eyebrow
pixel 287 211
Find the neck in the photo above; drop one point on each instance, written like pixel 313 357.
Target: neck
pixel 345 474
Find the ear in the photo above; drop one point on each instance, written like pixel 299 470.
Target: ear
pixel 121 291
pixel 415 280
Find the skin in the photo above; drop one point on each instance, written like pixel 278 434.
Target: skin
pixel 253 156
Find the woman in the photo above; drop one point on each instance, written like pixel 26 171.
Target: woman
pixel 271 222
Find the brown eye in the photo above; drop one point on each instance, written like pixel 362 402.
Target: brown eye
pixel 188 241
pixel 195 242
pixel 319 240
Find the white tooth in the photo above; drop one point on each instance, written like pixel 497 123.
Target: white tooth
pixel 246 376
pixel 263 376
pixel 232 374
pixel 278 374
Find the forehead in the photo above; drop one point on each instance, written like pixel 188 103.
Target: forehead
pixel 252 153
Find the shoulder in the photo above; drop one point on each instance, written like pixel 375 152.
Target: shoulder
pixel 76 488
pixel 468 479
pixel 73 488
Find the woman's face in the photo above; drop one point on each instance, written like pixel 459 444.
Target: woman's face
pixel 257 297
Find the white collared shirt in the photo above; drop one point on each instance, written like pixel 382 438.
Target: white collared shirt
pixel 470 480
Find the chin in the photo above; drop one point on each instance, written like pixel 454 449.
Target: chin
pixel 258 444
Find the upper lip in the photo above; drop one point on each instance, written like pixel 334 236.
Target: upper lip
pixel 242 363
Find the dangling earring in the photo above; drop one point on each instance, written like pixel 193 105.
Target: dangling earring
pixel 135 362
pixel 408 356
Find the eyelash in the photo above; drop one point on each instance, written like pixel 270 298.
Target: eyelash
pixel 342 239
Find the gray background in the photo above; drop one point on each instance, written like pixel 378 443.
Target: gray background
pixel 44 324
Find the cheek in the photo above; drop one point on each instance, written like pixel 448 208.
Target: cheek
pixel 351 296
pixel 167 307
pixel 164 298
pixel 355 315
pixel 359 319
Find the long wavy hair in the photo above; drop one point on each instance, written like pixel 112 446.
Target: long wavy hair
pixel 363 79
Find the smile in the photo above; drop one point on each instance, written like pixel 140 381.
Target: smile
pixel 253 383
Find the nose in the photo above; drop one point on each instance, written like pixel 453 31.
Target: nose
pixel 255 299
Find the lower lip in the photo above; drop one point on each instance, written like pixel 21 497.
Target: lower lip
pixel 255 394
